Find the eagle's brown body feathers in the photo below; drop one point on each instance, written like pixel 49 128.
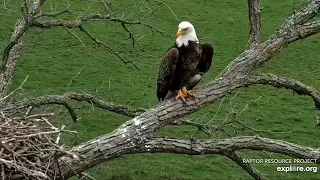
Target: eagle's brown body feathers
pixel 183 67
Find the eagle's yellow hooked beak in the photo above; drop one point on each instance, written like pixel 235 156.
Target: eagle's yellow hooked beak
pixel 180 32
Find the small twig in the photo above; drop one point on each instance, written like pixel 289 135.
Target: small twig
pixel 2 172
pixel 58 137
pixel 35 116
pixel 53 14
pixel 86 175
pixel 74 78
pixel 131 36
pixel 81 27
pixel 99 17
pixel 161 2
pixel 109 83
pixel 48 122
pixel 75 172
pixel 29 109
pixel 67 29
pixel 216 111
pixel 142 93
pixel 20 87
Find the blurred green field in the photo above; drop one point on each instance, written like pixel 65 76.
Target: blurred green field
pixel 52 57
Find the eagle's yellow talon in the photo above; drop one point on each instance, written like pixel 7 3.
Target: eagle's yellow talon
pixel 186 92
pixel 181 95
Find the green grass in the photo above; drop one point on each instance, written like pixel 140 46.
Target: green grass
pixel 52 57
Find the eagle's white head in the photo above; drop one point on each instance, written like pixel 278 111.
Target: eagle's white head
pixel 185 34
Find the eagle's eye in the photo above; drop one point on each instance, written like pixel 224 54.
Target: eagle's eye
pixel 184 29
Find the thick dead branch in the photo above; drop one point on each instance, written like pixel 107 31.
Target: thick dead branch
pixel 64 99
pixel 55 23
pixel 199 147
pixel 255 23
pixel 303 31
pixel 255 57
pixel 246 166
pixel 302 16
pixel 71 111
pixel 13 50
pixel 288 83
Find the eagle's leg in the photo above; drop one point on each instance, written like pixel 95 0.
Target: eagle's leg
pixel 186 92
pixel 181 95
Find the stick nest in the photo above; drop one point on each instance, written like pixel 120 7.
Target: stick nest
pixel 28 150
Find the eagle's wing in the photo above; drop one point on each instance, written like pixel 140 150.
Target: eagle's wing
pixel 203 65
pixel 206 58
pixel 166 72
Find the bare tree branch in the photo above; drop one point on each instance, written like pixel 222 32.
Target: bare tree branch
pixel 246 166
pixel 255 23
pixel 13 50
pixel 302 16
pixel 64 99
pixel 101 43
pixel 303 31
pixel 55 23
pixel 78 24
pixel 190 147
pixel 199 147
pixel 254 58
pixel 282 82
pixel 53 14
pixel 99 17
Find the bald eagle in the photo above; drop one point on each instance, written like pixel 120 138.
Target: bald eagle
pixel 183 65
